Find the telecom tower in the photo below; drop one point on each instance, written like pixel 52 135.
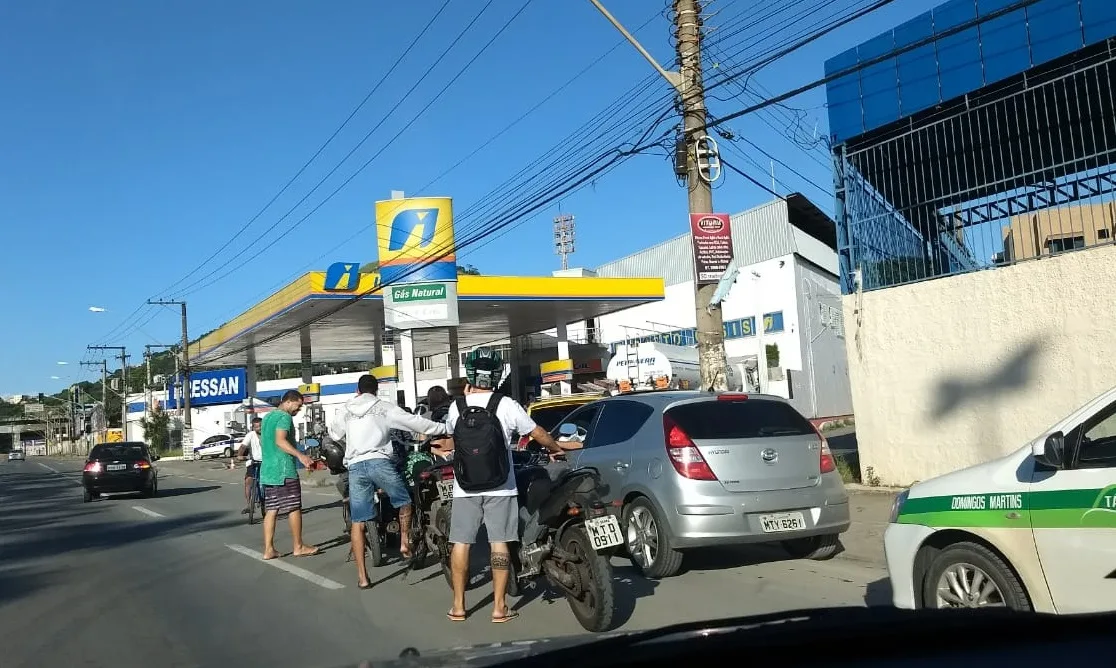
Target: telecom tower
pixel 564 238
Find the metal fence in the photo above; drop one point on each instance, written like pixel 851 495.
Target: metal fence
pixel 1013 172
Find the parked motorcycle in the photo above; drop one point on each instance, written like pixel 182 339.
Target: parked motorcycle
pixel 566 536
pixel 376 530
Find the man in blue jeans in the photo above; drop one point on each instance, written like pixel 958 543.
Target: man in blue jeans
pixel 366 423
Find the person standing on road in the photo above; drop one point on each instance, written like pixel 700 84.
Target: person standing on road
pixel 366 423
pixel 250 448
pixel 482 422
pixel 279 475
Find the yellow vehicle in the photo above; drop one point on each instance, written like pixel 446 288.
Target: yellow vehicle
pixel 548 412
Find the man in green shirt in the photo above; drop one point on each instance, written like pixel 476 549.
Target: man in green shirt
pixel 279 475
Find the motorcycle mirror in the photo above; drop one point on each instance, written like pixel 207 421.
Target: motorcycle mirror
pixel 567 429
pixel 311 443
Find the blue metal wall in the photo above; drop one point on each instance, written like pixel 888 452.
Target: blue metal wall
pixel 952 66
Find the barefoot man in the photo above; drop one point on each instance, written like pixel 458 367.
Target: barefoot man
pixel 279 475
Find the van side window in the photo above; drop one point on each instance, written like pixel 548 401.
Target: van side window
pixel 1097 448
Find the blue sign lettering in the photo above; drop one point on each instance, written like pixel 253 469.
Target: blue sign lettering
pixel 212 388
pixel 342 277
pixel 404 224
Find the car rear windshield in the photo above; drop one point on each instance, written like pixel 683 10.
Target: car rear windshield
pixel 122 451
pixel 750 418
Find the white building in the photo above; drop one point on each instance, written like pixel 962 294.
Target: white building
pixel 787 249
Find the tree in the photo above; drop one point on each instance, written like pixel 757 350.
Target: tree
pixel 156 429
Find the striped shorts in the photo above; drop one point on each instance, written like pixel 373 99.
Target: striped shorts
pixel 285 498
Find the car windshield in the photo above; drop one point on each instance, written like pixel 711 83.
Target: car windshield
pixel 550 417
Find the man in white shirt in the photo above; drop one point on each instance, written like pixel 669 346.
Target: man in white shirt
pixel 497 509
pixel 250 449
pixel 366 423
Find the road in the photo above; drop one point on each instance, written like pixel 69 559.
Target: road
pixel 124 581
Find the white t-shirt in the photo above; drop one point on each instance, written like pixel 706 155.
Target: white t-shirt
pixel 512 418
pixel 252 440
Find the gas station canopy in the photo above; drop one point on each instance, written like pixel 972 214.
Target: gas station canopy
pixel 490 308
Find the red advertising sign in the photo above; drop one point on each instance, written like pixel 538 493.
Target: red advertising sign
pixel 712 239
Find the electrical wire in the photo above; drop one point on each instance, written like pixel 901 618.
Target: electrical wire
pixel 376 87
pixel 205 281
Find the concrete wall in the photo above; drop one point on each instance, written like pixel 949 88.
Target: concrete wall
pixel 956 371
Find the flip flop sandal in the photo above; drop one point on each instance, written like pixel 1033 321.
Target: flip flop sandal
pixel 506 617
pixel 455 618
pixel 366 585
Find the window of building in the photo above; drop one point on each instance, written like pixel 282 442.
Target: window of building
pixel 1102 233
pixel 1065 244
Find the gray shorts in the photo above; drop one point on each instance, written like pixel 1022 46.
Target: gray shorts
pixel 499 514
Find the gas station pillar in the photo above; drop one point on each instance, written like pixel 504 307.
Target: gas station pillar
pixel 307 356
pixel 453 360
pixel 563 352
pixel 405 368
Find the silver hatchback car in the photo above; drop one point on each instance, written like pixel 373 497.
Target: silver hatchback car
pixel 698 469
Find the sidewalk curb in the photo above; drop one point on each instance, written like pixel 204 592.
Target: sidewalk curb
pixel 866 489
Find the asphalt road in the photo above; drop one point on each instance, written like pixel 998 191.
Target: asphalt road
pixel 176 581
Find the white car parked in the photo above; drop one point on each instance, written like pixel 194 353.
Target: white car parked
pixel 1035 530
pixel 218 445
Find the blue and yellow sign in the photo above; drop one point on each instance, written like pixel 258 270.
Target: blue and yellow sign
pixel 415 240
pixel 342 277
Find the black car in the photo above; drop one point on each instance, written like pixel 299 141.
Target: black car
pixel 120 467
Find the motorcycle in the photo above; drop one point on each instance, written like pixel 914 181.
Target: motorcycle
pixel 376 530
pixel 431 484
pixel 566 534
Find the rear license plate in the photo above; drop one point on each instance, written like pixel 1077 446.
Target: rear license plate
pixel 779 522
pixel 116 467
pixel 604 532
pixel 445 490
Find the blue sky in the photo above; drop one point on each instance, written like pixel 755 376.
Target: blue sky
pixel 138 137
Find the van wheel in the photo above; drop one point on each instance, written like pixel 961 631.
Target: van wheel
pixel 648 542
pixel 969 575
pixel 814 547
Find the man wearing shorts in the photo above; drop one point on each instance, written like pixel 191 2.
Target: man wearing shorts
pixel 250 449
pixel 497 509
pixel 279 475
pixel 366 423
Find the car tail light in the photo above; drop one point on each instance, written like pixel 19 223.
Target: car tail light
pixel 684 455
pixel 732 397
pixel 828 463
pixel 142 464
pixel 93 467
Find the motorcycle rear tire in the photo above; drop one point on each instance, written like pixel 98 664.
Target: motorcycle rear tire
pixel 447 572
pixel 513 571
pixel 374 541
pixel 594 612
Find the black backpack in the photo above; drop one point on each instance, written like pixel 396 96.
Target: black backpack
pixel 480 453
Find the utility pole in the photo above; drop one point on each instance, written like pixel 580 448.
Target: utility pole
pixel 123 385
pixel 147 357
pixel 185 357
pixel 104 393
pixel 690 88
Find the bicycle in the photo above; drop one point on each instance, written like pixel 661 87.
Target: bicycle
pixel 255 499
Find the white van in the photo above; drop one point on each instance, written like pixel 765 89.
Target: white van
pixel 1035 530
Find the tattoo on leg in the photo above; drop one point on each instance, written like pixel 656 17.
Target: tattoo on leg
pixel 500 561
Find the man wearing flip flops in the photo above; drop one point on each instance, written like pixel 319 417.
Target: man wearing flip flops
pixel 279 476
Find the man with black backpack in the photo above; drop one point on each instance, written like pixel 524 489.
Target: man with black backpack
pixel 482 422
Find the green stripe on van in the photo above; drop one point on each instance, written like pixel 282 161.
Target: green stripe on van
pixel 1054 509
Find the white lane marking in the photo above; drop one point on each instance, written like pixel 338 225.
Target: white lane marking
pixel 149 513
pixel 314 578
pixel 51 469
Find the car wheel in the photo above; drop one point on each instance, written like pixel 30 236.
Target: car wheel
pixel 813 547
pixel 86 495
pixel 227 453
pixel 968 575
pixel 151 490
pixel 648 541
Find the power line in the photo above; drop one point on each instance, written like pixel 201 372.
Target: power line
pixel 325 144
pixel 213 279
pixel 874 61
